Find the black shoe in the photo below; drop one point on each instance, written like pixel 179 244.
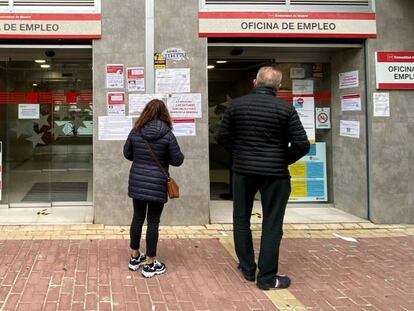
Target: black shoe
pixel 149 270
pixel 281 281
pixel 249 277
pixel 136 262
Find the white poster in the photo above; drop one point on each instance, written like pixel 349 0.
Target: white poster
pixel 349 79
pixel 137 102
pixel 114 127
pixel 183 106
pixel 169 81
pixel 174 54
pixel 305 106
pixel 1 168
pixel 29 111
pixel 184 127
pixel 136 79
pixel 114 76
pixel 302 87
pixel 351 102
pixel 349 128
pixel 297 73
pixel 381 104
pixel 323 118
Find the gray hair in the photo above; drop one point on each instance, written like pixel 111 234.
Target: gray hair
pixel 268 77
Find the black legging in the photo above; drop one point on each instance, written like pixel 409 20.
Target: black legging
pixel 153 221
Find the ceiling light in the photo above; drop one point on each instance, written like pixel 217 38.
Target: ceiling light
pixel 45 66
pixel 210 67
pixel 34 84
pixel 221 61
pixel 40 61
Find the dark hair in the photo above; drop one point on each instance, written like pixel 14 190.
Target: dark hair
pixel 154 110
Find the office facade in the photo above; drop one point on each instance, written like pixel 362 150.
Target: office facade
pixel 62 137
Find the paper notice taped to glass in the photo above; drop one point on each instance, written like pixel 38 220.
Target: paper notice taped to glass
pixel 302 87
pixel 29 111
pixel 114 127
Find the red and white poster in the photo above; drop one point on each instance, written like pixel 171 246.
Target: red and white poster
pixel 135 78
pixel 184 127
pixel 49 26
pixel 351 102
pixel 287 24
pixel 116 103
pixel 395 70
pixel 114 76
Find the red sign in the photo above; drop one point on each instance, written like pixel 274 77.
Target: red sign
pixel 50 26
pixel 116 98
pixel 287 24
pixel 395 70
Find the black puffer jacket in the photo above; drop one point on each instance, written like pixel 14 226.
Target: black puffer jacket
pixel 146 181
pixel 257 129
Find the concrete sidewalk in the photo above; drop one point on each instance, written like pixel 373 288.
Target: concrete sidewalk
pixel 84 267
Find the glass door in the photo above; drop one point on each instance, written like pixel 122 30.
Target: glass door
pixel 46 125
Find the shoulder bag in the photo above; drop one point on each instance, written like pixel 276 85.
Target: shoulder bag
pixel 172 188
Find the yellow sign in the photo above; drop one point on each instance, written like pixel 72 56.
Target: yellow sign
pixel 159 61
pixel 298 170
pixel 299 189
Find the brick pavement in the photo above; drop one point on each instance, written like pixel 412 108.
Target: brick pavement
pixel 93 275
pixel 87 271
pixel 331 274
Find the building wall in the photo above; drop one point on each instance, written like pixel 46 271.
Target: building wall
pixel 392 139
pixel 349 158
pixel 123 42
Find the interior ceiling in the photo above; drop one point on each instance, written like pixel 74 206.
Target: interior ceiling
pixel 245 56
pixel 30 54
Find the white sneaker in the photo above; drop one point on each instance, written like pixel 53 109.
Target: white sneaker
pixel 149 270
pixel 136 262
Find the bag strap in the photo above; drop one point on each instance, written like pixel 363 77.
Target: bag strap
pixel 155 158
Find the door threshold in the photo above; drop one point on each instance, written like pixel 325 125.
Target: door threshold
pixel 30 205
pixel 60 204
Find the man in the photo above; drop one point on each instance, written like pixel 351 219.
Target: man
pixel 264 135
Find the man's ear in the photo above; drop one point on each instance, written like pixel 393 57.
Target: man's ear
pixel 254 82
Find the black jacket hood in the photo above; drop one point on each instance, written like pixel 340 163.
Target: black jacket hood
pixel 155 129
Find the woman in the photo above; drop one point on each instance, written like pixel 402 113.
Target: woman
pixel 147 183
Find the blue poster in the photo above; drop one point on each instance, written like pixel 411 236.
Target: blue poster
pixel 308 176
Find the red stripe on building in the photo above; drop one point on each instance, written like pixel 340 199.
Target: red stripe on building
pixel 395 57
pixel 288 35
pixel 35 36
pixel 396 86
pixel 296 15
pixel 49 17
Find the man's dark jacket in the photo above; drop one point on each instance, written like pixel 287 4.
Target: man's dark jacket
pixel 146 181
pixel 257 129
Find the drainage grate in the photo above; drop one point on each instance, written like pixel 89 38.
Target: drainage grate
pixel 57 192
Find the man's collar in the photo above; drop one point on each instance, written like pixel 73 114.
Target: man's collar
pixel 263 90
